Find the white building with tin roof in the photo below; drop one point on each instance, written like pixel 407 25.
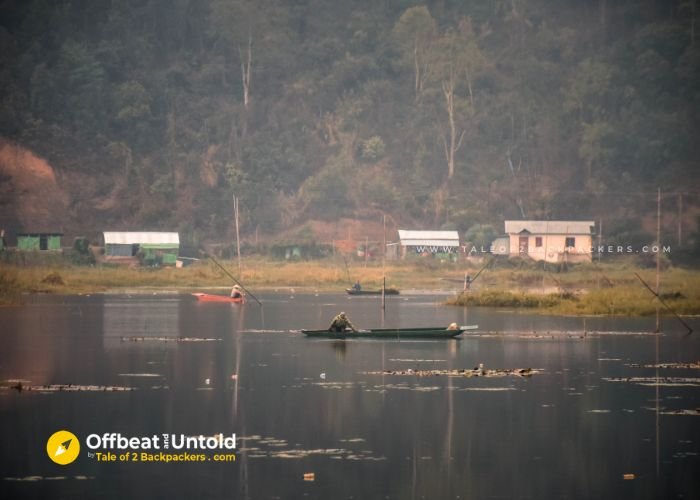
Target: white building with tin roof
pixel 432 242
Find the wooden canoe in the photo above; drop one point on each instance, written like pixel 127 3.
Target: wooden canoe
pixel 393 333
pixel 388 291
pixel 207 297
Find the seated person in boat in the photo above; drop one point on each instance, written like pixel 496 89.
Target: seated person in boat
pixel 236 292
pixel 357 287
pixel 341 323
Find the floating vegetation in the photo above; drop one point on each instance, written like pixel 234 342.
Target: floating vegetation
pixel 406 387
pixel 67 388
pixel 555 334
pixel 14 381
pixel 692 412
pixel 488 389
pixel 464 372
pixel 144 375
pixel 267 331
pixel 531 334
pixel 418 360
pixel 168 339
pixel 695 365
pixel 268 447
pixel 658 381
pixel 50 478
pixel 335 385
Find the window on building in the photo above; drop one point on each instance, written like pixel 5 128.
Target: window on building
pixel 538 241
pixel 570 242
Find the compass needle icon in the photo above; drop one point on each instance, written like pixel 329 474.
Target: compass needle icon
pixel 63 447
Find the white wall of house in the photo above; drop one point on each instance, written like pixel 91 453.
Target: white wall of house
pixel 552 247
pixel 551 241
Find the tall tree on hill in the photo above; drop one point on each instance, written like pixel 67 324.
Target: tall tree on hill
pixel 457 59
pixel 415 31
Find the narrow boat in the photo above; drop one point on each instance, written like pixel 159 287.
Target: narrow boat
pixel 395 333
pixel 208 297
pixel 388 291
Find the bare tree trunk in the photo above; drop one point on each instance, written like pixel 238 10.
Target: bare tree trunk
pixel 448 89
pixel 245 72
pixel 416 62
pixel 246 79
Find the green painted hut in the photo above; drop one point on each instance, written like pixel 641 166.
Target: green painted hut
pixel 39 241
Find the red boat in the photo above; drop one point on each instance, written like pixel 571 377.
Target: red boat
pixel 208 297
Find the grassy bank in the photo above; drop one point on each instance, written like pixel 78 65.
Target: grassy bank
pixel 318 275
pixel 620 301
pixel 587 289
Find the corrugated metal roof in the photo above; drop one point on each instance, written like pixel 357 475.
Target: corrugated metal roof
pixel 140 237
pixel 429 238
pixel 549 226
pixel 36 233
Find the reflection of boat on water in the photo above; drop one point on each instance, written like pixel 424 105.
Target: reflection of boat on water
pixel 388 291
pixel 207 297
pixel 395 333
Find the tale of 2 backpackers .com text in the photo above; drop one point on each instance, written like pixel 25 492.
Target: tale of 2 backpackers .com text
pixel 132 456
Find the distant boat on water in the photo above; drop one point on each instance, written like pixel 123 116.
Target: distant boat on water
pixel 388 291
pixel 394 333
pixel 208 297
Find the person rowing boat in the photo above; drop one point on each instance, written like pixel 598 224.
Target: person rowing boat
pixel 341 323
pixel 237 292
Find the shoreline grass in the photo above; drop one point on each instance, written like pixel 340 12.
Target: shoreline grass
pixel 621 301
pixel 607 289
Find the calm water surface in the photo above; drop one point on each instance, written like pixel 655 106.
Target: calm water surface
pixel 303 406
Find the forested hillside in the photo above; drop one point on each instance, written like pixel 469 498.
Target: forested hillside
pixel 439 114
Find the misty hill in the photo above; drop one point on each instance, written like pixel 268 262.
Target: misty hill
pixel 441 114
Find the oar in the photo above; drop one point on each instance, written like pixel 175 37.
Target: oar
pixel 690 330
pixel 233 278
pixel 482 269
pixel 472 280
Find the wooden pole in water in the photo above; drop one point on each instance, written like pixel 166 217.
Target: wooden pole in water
pixel 600 238
pixel 238 239
pixel 658 256
pixel 680 220
pixel 648 287
pixel 384 262
pixel 234 279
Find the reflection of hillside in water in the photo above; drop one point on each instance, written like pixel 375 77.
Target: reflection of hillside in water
pixel 126 318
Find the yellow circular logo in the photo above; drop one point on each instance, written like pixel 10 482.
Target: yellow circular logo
pixel 63 447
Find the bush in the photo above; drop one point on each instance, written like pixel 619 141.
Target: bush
pixel 10 291
pixel 495 298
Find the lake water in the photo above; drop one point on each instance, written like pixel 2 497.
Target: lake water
pixel 576 429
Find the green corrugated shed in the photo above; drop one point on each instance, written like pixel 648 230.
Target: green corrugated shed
pixel 169 259
pixel 39 241
pixel 155 248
